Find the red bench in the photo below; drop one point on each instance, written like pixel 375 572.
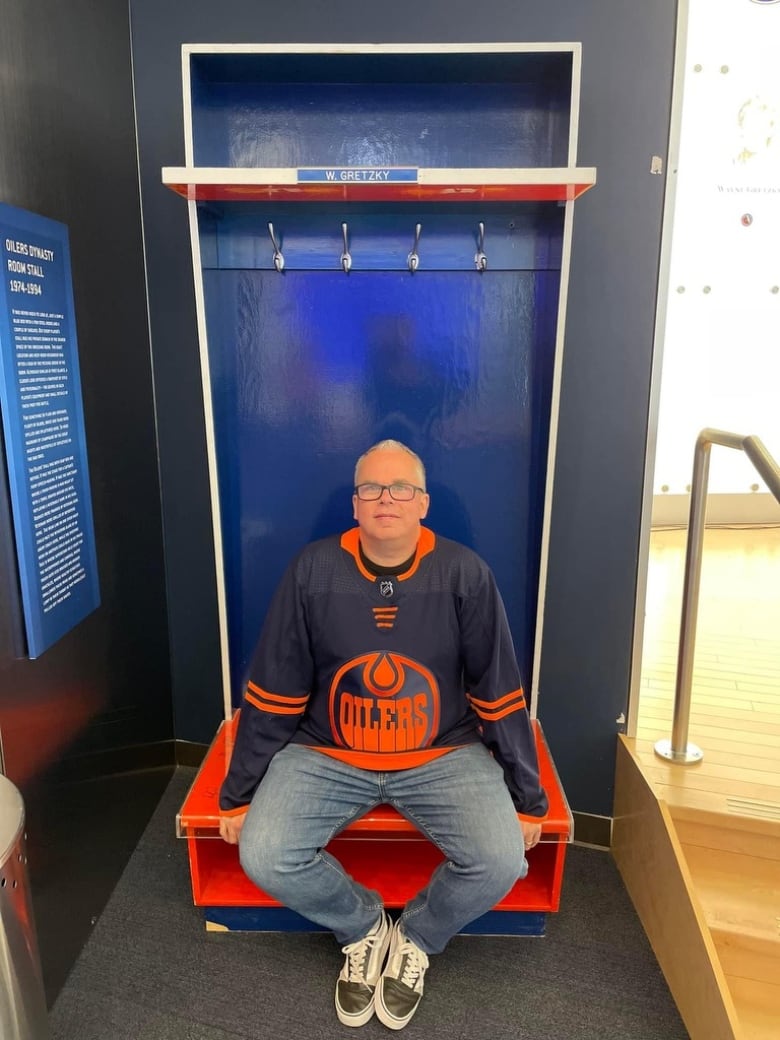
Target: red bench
pixel 381 850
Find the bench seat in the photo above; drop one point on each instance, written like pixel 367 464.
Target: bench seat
pixel 381 850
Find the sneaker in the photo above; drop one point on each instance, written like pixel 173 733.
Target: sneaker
pixel 401 985
pixel 360 974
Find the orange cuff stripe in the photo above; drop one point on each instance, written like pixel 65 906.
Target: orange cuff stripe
pixel 234 812
pixel 280 698
pixel 273 709
pixel 501 700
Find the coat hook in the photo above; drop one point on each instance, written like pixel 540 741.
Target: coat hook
pixel 346 259
pixel 480 259
pixel 413 260
pixel 278 258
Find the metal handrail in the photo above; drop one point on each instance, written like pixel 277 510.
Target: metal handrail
pixel 678 749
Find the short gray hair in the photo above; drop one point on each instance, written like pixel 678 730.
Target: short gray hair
pixel 390 445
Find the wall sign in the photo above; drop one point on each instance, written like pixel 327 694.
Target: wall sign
pixel 43 427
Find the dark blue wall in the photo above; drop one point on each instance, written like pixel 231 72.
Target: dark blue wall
pixel 627 62
pixel 67 151
pixel 99 699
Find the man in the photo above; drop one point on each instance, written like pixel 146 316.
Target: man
pixel 385 673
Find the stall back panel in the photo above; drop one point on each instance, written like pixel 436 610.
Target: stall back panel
pixel 308 369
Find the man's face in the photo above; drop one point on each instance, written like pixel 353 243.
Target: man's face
pixel 386 519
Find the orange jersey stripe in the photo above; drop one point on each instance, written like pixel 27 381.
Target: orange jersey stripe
pixel 280 698
pixel 273 709
pixel 495 716
pixel 384 760
pixel 490 705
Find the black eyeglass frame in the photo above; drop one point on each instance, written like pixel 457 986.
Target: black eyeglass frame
pixel 389 489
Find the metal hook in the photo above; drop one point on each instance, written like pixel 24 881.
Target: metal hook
pixel 278 258
pixel 346 259
pixel 479 258
pixel 413 260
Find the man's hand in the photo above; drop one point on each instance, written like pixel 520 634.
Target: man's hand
pixel 532 832
pixel 230 828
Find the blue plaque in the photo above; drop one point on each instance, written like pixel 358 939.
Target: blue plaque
pixel 359 175
pixel 43 424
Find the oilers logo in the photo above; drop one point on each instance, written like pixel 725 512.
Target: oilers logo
pixel 384 702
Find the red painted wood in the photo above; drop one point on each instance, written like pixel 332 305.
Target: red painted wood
pixel 381 850
pixel 371 192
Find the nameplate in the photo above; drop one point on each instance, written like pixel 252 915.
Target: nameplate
pixel 358 175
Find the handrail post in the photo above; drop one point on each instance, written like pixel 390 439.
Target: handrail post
pixel 678 749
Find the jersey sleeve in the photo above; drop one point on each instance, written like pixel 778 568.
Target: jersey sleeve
pixel 275 696
pixel 496 694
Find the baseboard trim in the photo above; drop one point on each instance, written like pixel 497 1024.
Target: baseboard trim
pixel 111 761
pixel 590 829
pixel 160 754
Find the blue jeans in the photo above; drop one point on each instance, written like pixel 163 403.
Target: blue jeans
pixel 459 801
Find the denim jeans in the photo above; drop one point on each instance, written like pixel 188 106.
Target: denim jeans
pixel 459 801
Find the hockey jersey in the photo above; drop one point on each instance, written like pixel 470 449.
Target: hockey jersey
pixel 385 672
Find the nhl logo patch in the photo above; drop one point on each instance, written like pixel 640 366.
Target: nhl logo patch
pixel 386 588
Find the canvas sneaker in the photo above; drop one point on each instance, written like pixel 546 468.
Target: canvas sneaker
pixel 401 985
pixel 359 976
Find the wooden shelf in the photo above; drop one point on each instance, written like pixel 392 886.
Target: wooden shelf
pixel 228 184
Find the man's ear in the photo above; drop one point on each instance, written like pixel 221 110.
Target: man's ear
pixel 425 501
pixel 354 507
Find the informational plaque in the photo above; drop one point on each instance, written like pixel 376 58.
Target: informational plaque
pixel 43 427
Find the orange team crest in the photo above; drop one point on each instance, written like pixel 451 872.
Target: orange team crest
pixel 384 702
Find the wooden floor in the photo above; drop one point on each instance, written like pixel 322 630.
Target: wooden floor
pixel 735 708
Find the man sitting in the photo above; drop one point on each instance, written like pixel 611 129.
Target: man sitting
pixel 385 673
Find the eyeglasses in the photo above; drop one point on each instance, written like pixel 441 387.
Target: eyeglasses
pixel 398 492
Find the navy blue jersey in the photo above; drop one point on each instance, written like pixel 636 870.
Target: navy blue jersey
pixel 385 672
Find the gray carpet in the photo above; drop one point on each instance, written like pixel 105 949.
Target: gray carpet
pixel 150 971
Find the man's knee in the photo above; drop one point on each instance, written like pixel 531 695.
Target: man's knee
pixel 265 858
pixel 502 863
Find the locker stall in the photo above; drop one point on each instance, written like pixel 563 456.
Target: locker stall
pixel 380 241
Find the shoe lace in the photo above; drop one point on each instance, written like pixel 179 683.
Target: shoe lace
pixel 413 963
pixel 358 954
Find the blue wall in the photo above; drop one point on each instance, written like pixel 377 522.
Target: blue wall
pixel 99 700
pixel 626 89
pixel 67 152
